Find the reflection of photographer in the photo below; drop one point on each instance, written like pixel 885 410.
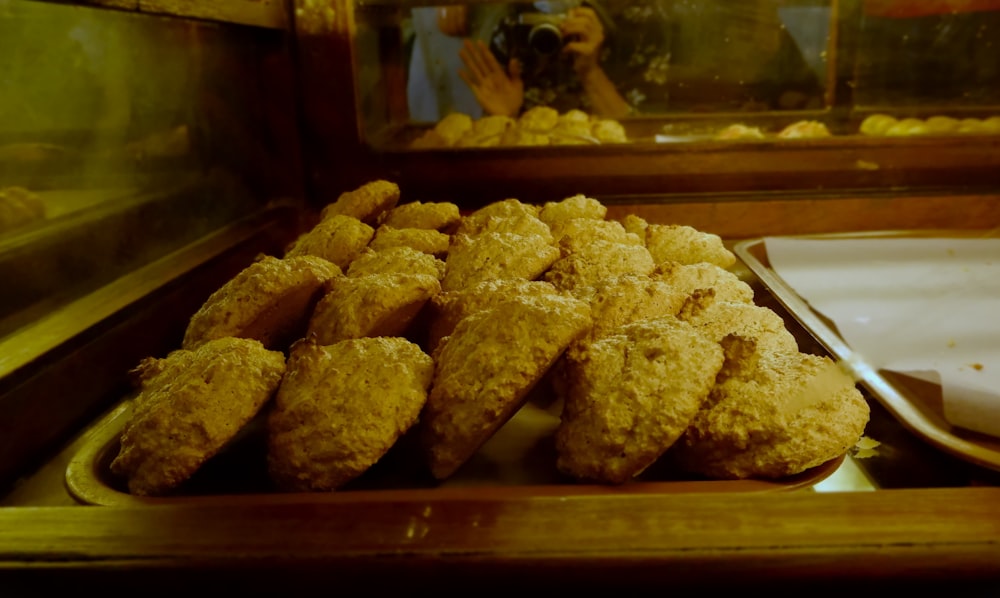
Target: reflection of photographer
pixel 549 53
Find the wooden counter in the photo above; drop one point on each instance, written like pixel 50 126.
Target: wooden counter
pixel 803 540
pixel 939 531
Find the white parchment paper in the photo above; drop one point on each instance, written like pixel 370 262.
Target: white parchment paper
pixel 927 307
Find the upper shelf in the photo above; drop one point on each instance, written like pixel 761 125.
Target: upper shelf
pixel 269 14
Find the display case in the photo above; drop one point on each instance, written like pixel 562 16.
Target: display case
pixel 172 144
pixel 699 70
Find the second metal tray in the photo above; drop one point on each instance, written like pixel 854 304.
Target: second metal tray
pixel 915 403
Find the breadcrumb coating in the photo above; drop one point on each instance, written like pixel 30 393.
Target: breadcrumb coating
pixel 372 305
pixel 402 259
pixel 441 216
pixel 338 239
pixel 486 368
pixel 270 300
pixel 576 206
pixel 341 407
pixel 687 245
pixel 719 319
pixel 689 278
pixel 496 256
pixel 786 413
pixel 630 397
pixel 474 222
pixel 366 203
pixel 189 406
pixel 521 224
pixel 577 234
pixel 621 300
pixel 427 240
pixel 599 260
pixel 449 308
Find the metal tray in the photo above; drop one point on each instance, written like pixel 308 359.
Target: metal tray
pixel 916 404
pixel 518 462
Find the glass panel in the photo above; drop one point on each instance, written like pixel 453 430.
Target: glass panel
pixel 660 71
pixel 125 136
pixel 932 54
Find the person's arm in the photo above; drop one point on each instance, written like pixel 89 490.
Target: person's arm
pixel 586 33
pixel 603 94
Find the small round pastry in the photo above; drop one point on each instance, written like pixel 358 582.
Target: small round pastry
pixel 341 407
pixel 338 239
pixel 971 126
pixel 453 127
pixel 190 404
pixel 740 132
pixel 538 119
pixel 805 129
pixel 270 300
pixel 366 203
pixel 907 127
pixel 877 124
pixel 941 125
pixel 609 131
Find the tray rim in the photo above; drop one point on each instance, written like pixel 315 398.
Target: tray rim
pixel 932 429
pixel 82 478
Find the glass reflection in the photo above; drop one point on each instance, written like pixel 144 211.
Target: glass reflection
pixel 615 59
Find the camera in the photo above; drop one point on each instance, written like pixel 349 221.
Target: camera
pixel 543 34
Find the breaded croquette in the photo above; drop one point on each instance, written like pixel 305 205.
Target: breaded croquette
pixel 777 416
pixel 441 216
pixel 189 406
pixel 341 407
pixel 372 305
pixel 366 203
pixel 448 309
pixel 402 259
pixel 630 395
pixel 427 240
pixel 487 367
pixel 338 239
pixel 687 245
pixel 492 256
pixel 599 260
pixel 576 206
pixel 689 278
pixel 270 300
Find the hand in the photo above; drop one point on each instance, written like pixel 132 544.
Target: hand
pixel 497 90
pixel 453 20
pixel 585 33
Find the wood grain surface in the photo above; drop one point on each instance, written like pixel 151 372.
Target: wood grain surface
pixel 617 540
